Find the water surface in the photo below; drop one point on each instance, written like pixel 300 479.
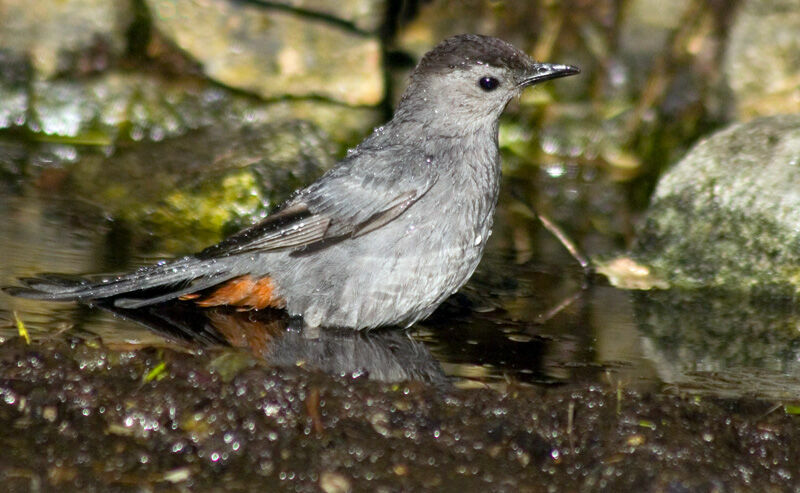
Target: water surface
pixel 528 316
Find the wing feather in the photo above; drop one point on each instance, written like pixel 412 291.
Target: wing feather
pixel 364 192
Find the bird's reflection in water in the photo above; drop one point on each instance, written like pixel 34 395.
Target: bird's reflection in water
pixel 385 355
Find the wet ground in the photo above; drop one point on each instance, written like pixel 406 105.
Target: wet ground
pixel 80 416
pixel 533 378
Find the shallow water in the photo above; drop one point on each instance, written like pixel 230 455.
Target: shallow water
pixel 526 316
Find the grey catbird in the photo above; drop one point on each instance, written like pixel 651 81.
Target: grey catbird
pixel 382 238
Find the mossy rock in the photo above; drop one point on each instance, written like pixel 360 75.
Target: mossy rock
pixel 727 214
pixel 189 191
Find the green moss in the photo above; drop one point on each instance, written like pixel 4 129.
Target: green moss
pixel 714 246
pixel 193 217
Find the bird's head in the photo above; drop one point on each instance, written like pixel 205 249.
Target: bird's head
pixel 472 77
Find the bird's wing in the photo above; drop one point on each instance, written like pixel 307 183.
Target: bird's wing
pixel 362 193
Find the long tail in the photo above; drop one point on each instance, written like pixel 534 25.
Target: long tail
pixel 144 287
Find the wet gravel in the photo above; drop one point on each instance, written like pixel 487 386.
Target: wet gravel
pixel 76 415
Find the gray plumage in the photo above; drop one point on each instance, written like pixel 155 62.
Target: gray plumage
pixel 390 232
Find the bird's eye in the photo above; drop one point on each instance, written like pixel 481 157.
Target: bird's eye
pixel 488 83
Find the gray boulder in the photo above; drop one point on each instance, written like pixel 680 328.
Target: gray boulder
pixel 728 214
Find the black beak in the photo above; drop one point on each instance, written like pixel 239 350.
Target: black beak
pixel 541 72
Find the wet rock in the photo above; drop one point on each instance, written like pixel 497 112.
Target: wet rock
pixel 726 215
pixel 72 35
pixel 272 52
pixel 125 106
pixel 762 60
pixel 191 189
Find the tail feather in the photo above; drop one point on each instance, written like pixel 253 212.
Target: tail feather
pixel 54 281
pixel 130 303
pixel 146 286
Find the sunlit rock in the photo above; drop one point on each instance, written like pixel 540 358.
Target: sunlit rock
pixel 273 52
pixel 762 60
